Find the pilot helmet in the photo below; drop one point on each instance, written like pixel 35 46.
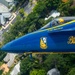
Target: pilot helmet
pixel 61 20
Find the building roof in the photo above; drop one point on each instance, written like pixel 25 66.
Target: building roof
pixel 2 20
pixel 4 2
pixel 3 8
pixel 3 16
pixel 53 71
pixel 16 69
pixel 54 14
pixel 5 68
pixel 9 0
pixel 10 59
pixel 6 15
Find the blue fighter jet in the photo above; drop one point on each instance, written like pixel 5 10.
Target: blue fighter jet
pixel 57 36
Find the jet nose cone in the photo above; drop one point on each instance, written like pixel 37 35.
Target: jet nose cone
pixel 5 48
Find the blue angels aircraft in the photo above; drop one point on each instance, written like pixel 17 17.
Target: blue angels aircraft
pixel 57 36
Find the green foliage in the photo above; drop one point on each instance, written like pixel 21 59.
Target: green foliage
pixel 1 72
pixel 2 55
pixel 64 62
pixel 8 37
pixel 38 72
pixel 72 72
pixel 70 59
pixel 55 60
pixel 39 8
pixel 26 66
pixel 72 10
pixel 1 63
pixel 21 11
pixel 65 8
pixel 32 28
pixel 0 26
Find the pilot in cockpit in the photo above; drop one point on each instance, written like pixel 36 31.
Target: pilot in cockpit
pixel 57 22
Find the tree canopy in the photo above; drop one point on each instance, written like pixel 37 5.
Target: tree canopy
pixel 38 72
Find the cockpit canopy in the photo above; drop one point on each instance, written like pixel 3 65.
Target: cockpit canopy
pixel 58 21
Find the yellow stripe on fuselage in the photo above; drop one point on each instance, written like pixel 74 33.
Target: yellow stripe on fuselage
pixel 54 27
pixel 49 53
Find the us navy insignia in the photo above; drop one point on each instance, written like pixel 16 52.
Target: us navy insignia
pixel 43 43
pixel 71 40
